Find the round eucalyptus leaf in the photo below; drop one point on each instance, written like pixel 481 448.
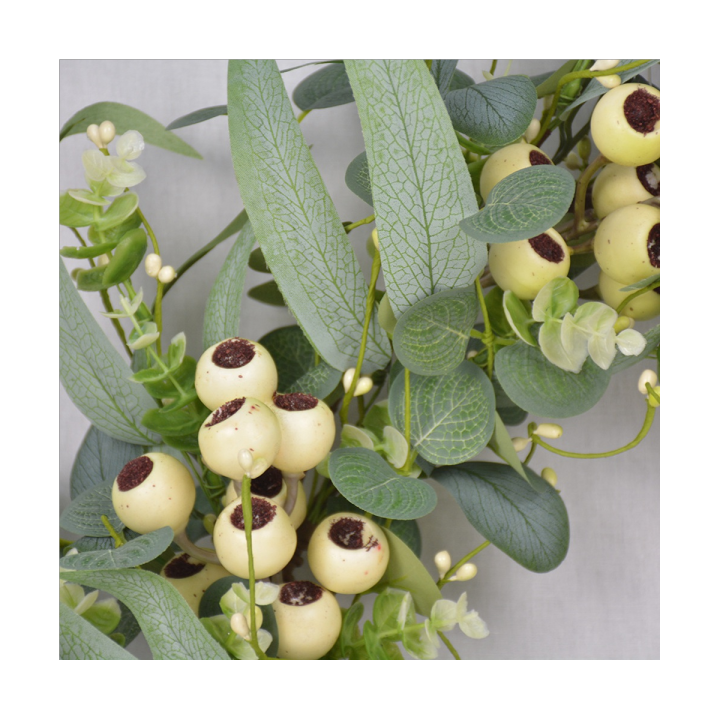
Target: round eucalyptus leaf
pixel 431 338
pixel 451 416
pixel 532 382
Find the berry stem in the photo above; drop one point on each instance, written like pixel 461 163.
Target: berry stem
pixel 248 522
pixel 487 336
pixel 580 225
pixel 114 534
pixel 364 221
pixel 442 581
pixel 188 546
pixel 449 646
pixel 637 293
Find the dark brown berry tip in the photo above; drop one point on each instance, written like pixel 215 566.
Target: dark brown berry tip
pixel 267 485
pixel 134 473
pixel 547 248
pixel 225 411
pixel 181 567
pixel 263 512
pixel 233 353
pixel 300 592
pixel 653 245
pixel 539 158
pixel 295 401
pixel 642 111
pixel 347 533
pixel 649 179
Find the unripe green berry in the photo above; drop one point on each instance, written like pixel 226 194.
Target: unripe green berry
pixel 526 266
pixel 273 538
pixel 239 428
pixel 625 124
pixel 308 619
pixel 348 553
pixel 191 578
pixel 508 160
pixel 618 186
pixel 627 243
pixel 643 307
pixel 307 427
pixel 235 368
pixel 153 491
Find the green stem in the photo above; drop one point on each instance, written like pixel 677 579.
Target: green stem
pixel 446 577
pixel 488 338
pixel 116 323
pixel 303 115
pixel 580 224
pixel 493 66
pixel 449 646
pixel 531 453
pixel 637 293
pixel 470 145
pixel 369 306
pixel 158 315
pixel 410 459
pixel 117 537
pixel 650 414
pixel 364 221
pixel 151 234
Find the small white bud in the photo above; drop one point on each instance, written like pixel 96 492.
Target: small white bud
pixel 466 572
pixel 549 475
pixel 443 562
pixel 93 132
pixel 549 430
pixel 364 386
pixel 609 81
pixel 533 130
pixel 153 264
pixel 103 260
pixel 604 65
pixel 240 626
pixel 72 551
pixel 246 461
pixel 520 443
pixel 488 75
pixel 471 354
pixel 573 161
pixel 107 132
pixel 348 378
pixel 647 376
pixel 166 274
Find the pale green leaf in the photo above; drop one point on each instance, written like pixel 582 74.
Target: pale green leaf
pixel 222 310
pixel 530 524
pixel 420 185
pixel 563 344
pixel 431 337
pixel 139 551
pixel 496 112
pixel 622 362
pixel 366 480
pixel 536 385
pixel 95 375
pixel 451 416
pixel 522 205
pixel 127 118
pixel 296 224
pixel 558 297
pixel 79 640
pixel 518 317
pixel 169 625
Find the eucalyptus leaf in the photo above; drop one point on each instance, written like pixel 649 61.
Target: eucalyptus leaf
pixel 496 112
pixel 555 299
pixel 442 72
pixel 406 572
pixel 169 625
pixel 256 261
pixel 198 116
pixel 373 642
pixel 127 118
pixel 120 211
pixel 222 310
pixel 292 352
pixel 431 337
pixel 94 374
pixel 99 461
pixel 325 88
pixel 420 185
pixel 530 525
pixel 79 640
pixel 296 224
pixel 370 483
pixel 318 381
pixel 91 251
pixel 74 213
pixel 460 80
pixel 536 385
pixel 451 415
pixel 518 317
pixel 523 205
pixel 501 444
pixel 82 516
pixel 357 178
pixel 268 293
pixel 139 551
pixel 623 362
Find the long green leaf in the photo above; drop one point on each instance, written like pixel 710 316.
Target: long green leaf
pixel 420 185
pixel 296 224
pixel 325 88
pixel 530 525
pixel 79 640
pixel 94 374
pixel 222 310
pixel 127 118
pixel 198 116
pixel 167 622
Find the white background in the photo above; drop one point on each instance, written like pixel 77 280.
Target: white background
pixel 603 602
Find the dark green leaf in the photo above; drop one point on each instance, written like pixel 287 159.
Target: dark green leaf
pixel 327 87
pixel 357 178
pixel 529 526
pixel 82 516
pixel 460 80
pixel 318 381
pixel 127 257
pixel 257 261
pixel 547 83
pixel 442 72
pixel 177 423
pixel 197 117
pixel 79 640
pixel 268 293
pixel 127 118
pixel 91 251
pixel 92 280
pixel 522 205
pixel 292 353
pixel 120 211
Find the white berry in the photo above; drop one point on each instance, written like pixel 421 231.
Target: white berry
pixel 191 578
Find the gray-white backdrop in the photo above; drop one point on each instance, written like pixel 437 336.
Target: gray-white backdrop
pixel 603 601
